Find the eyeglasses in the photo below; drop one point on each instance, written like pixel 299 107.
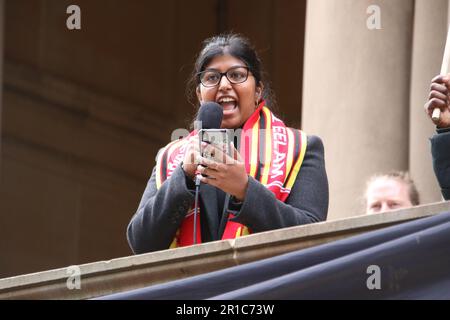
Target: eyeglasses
pixel 211 78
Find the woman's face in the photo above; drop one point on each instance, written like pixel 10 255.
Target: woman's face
pixel 237 100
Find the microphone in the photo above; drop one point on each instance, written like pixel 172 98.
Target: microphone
pixel 209 120
pixel 210 117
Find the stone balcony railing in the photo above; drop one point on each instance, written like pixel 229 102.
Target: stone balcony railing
pixel 127 273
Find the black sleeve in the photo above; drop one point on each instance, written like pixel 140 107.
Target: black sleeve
pixel 307 202
pixel 160 213
pixel 440 151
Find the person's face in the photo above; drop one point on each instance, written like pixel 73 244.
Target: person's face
pixel 237 100
pixel 386 194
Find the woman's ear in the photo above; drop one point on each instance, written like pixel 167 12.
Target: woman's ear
pixel 258 92
pixel 198 93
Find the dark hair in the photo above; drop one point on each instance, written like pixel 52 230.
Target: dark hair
pixel 237 46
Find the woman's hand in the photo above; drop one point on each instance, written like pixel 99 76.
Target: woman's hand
pixel 224 172
pixel 190 161
pixel 439 98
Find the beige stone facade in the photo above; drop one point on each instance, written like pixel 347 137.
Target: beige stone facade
pixel 364 92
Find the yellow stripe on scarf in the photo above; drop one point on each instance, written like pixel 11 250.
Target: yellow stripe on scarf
pixel 290 156
pixel 297 165
pixel 268 147
pixel 174 243
pixel 241 231
pixel 171 146
pixel 254 152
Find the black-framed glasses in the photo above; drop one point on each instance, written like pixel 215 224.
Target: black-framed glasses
pixel 211 78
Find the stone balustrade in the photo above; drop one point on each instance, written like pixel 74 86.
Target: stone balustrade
pixel 127 273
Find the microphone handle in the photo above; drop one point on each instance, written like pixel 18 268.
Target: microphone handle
pixel 197 190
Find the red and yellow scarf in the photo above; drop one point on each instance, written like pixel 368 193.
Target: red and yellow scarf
pixel 272 152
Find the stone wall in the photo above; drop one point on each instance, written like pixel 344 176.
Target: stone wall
pixel 85 112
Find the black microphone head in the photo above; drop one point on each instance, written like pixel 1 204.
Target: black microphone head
pixel 211 115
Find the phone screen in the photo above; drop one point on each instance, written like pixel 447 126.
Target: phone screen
pixel 216 137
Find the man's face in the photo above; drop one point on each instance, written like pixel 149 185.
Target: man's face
pixel 385 194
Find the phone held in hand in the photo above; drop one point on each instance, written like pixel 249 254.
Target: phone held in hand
pixel 219 138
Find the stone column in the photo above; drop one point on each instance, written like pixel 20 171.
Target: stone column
pixel 356 92
pixel 430 32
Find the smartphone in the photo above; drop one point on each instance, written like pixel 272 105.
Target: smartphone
pixel 219 138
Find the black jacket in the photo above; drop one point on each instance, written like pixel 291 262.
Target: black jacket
pixel 161 212
pixel 440 151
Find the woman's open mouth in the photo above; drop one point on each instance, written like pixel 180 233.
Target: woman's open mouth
pixel 228 105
